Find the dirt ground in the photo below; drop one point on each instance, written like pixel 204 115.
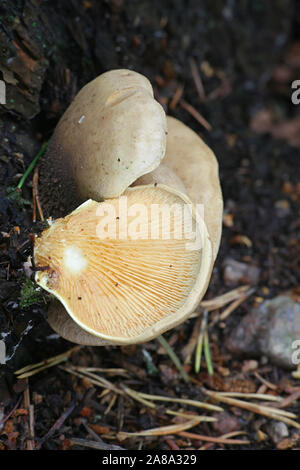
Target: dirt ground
pixel 234 63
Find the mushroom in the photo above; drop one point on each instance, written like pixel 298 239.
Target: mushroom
pixel 113 132
pixel 113 135
pixel 189 164
pixel 127 269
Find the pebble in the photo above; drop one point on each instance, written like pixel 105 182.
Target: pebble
pixel 282 207
pixel 236 272
pixel 277 430
pixel 225 423
pixel 272 330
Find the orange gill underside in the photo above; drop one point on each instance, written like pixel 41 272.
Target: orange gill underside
pixel 119 286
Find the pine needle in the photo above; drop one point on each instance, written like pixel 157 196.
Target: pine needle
pixel 33 369
pixel 224 299
pixel 93 378
pixel 207 419
pixel 185 401
pixel 196 115
pixel 161 431
pixel 269 412
pixel 219 440
pixel 257 396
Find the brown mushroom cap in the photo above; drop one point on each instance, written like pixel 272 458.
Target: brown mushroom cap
pixel 125 290
pixel 113 132
pixel 194 163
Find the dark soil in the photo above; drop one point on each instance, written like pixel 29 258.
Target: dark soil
pixel 248 54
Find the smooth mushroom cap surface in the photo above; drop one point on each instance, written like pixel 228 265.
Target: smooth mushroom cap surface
pixel 113 132
pixel 61 322
pixel 162 175
pixel 131 287
pixel 195 164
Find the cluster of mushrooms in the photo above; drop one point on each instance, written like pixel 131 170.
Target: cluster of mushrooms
pixel 115 140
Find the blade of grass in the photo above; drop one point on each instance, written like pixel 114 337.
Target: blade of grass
pixel 272 413
pixel 198 355
pixel 32 165
pixel 207 354
pixel 164 343
pixel 109 371
pixel 199 347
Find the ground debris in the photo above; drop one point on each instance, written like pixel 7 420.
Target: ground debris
pixel 270 329
pixel 218 87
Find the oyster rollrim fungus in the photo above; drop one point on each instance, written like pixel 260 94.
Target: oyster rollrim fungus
pixel 190 166
pixel 113 132
pixel 113 135
pixel 127 289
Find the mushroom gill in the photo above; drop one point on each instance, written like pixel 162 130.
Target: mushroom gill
pixel 129 268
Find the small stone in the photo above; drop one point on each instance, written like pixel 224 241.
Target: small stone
pixel 282 207
pixel 277 431
pixel 168 375
pixel 225 423
pixel 236 272
pixel 271 330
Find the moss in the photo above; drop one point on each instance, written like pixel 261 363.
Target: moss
pixel 14 196
pixel 31 293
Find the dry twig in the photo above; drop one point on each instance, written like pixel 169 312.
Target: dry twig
pixel 58 423
pixel 161 431
pixel 176 98
pixel 224 299
pixel 197 79
pixel 196 115
pixel 35 196
pixel 289 400
pixel 164 343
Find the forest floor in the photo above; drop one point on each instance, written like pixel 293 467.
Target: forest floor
pixel 232 63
